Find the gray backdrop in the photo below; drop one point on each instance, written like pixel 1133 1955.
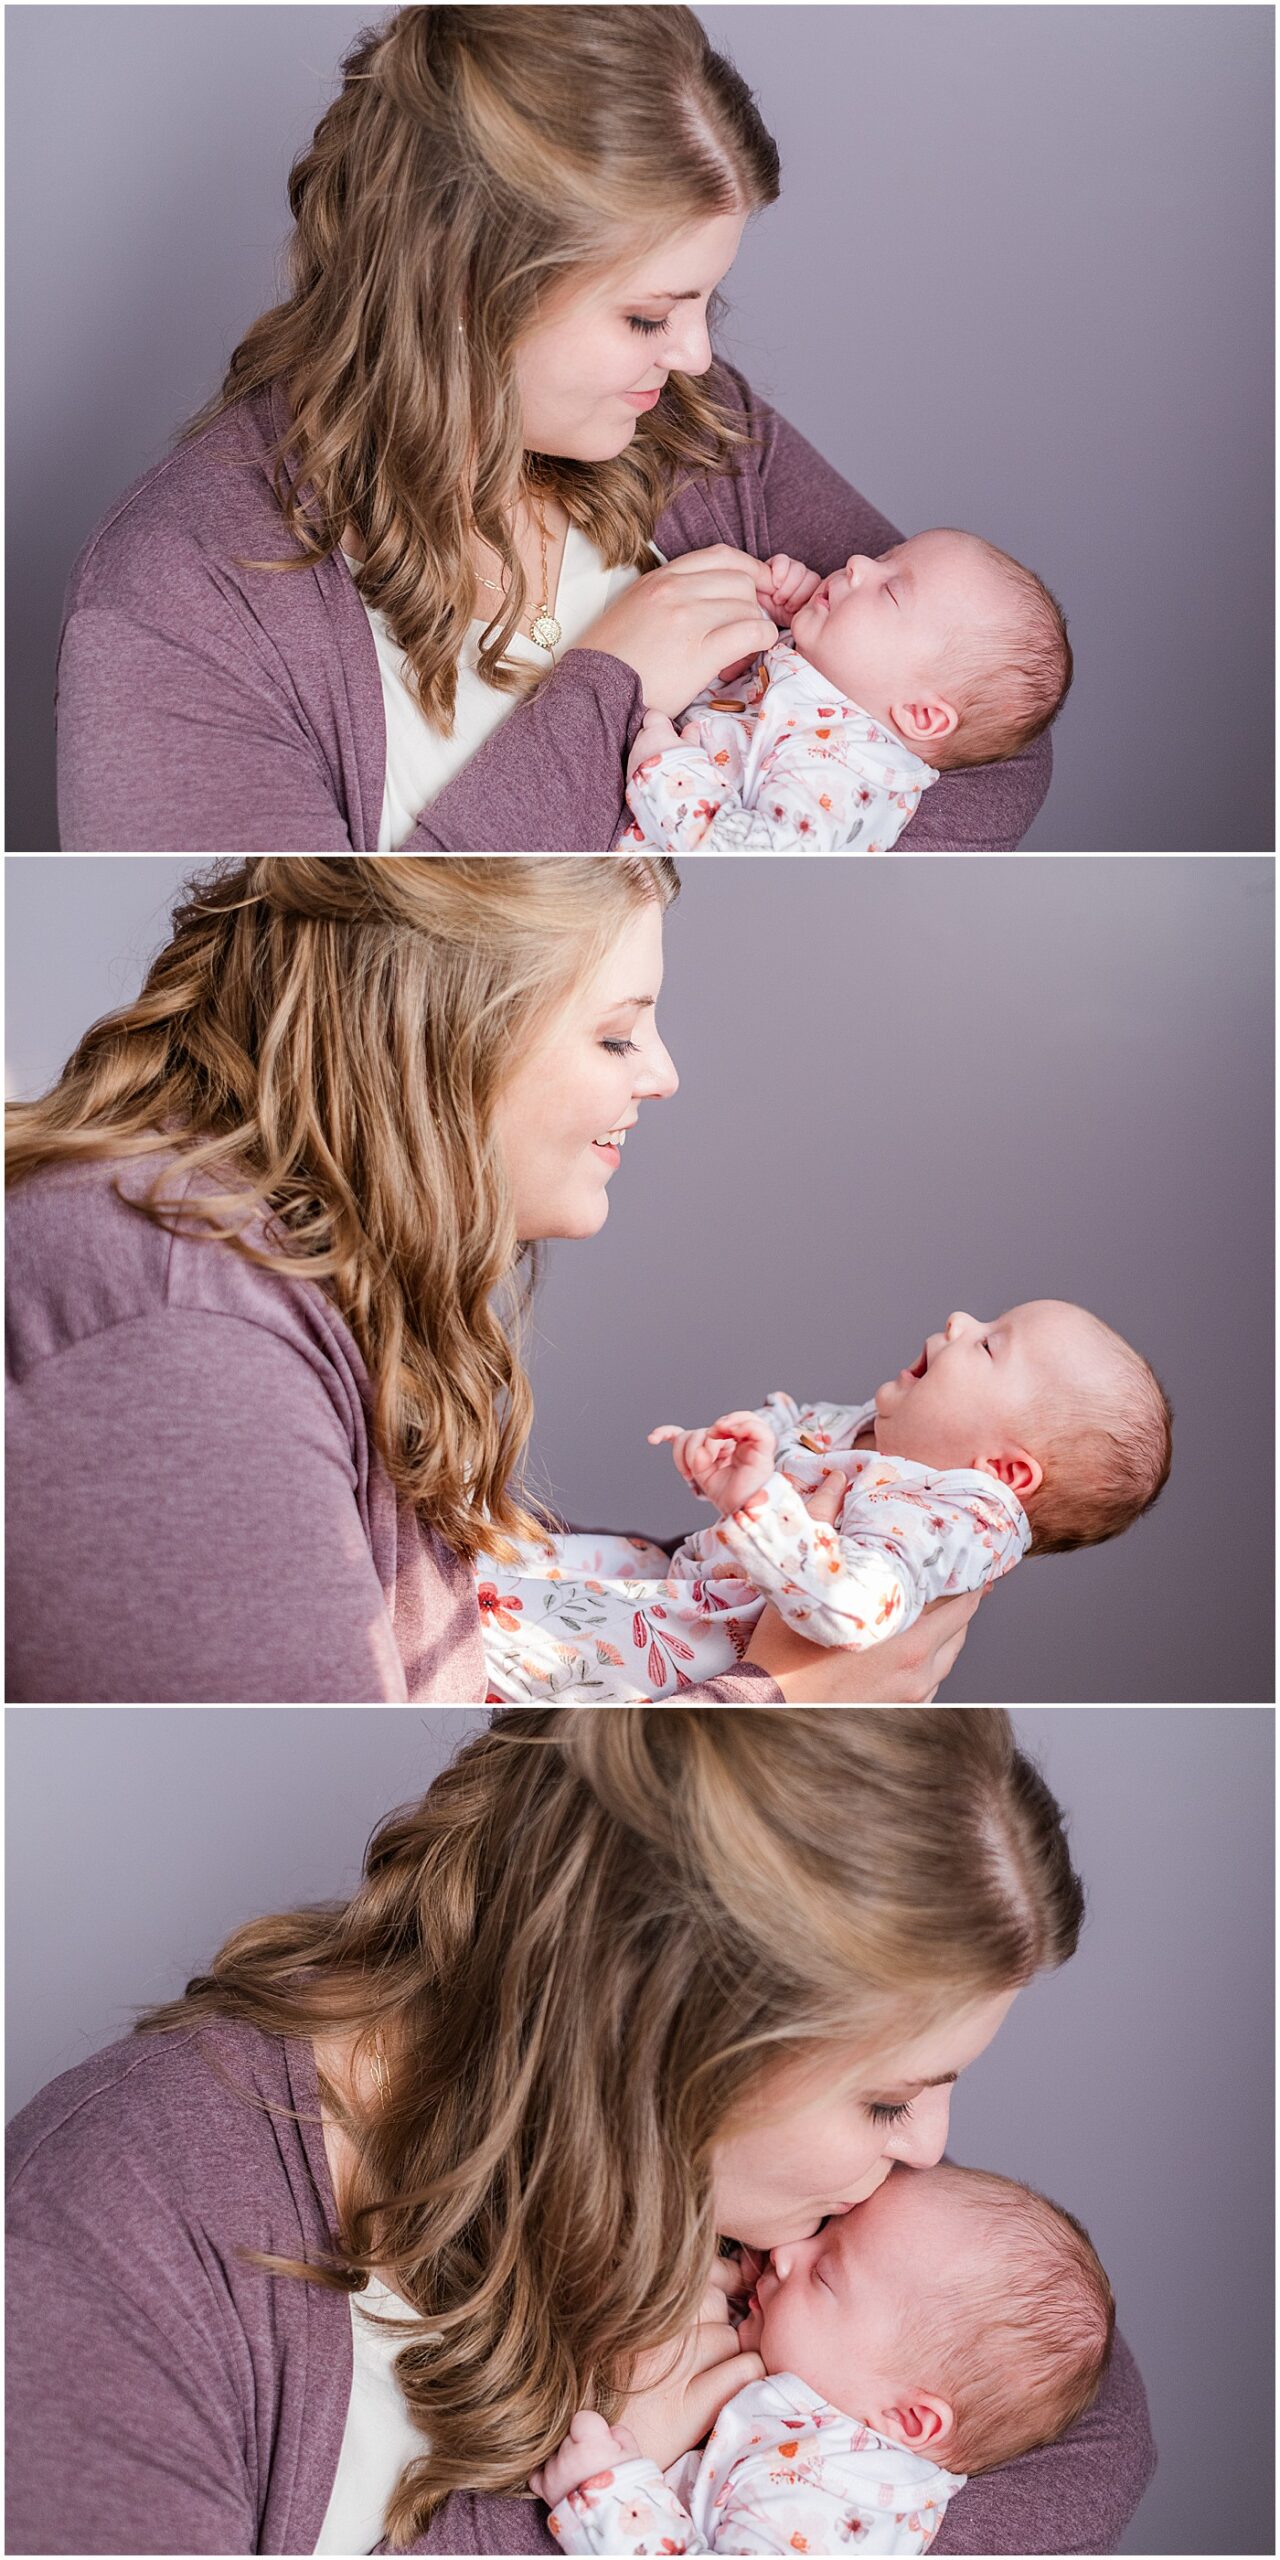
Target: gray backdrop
pixel 1019 279
pixel 907 1086
pixel 1136 2086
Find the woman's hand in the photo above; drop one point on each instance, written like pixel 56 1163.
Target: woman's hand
pixel 675 2399
pixel 680 625
pixel 906 1671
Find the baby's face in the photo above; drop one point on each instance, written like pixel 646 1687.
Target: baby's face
pixel 882 630
pixel 979 1390
pixel 838 2310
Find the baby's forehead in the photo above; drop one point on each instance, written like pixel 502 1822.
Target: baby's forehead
pixel 912 2204
pixel 1052 1327
pixel 943 553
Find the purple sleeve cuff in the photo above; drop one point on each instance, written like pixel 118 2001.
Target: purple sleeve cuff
pixel 550 779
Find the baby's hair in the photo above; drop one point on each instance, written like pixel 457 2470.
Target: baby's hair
pixel 1011 679
pixel 1106 1460
pixel 1029 2358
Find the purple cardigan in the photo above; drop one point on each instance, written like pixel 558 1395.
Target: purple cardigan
pixel 164 2397
pixel 203 707
pixel 196 1510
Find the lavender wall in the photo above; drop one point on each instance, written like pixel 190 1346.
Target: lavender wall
pixel 1135 2086
pixel 907 1086
pixel 1019 279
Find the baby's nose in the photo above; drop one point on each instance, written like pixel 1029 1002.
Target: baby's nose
pixel 958 1322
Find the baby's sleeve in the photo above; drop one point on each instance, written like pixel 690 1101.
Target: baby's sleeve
pixel 677 796
pixel 897 1547
pixel 629 2508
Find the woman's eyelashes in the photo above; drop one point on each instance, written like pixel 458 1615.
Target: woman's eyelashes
pixel 890 2114
pixel 647 328
pixel 619 1048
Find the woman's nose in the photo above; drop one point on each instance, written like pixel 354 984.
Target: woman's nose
pixel 691 350
pixel 656 1079
pixel 922 2140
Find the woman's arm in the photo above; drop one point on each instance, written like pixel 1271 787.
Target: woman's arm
pixel 787 498
pixel 1074 2496
pixel 183 1525
pixel 1077 2495
pixel 550 778
pixel 178 727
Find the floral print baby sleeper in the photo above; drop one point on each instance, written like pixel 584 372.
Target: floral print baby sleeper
pixel 611 1619
pixel 781 2471
pixel 782 759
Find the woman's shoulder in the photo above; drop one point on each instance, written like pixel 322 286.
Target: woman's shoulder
pixel 83 1260
pixel 188 2125
pixel 211 490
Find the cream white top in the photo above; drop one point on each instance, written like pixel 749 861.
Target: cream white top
pixel 379 2437
pixel 419 760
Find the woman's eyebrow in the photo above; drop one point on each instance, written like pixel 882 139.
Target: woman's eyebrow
pixel 943 2081
pixel 641 1003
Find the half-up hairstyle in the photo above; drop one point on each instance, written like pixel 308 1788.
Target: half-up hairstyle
pixel 582 1955
pixel 325 1037
pixel 475 161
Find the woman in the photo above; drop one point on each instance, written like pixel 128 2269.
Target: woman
pixel 261 1423
pixel 387 592
pixel 409 2096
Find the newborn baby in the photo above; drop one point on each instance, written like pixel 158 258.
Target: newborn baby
pixel 948 2324
pixel 945 652
pixel 1038 1433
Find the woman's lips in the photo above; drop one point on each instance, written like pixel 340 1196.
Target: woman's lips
pixel 643 399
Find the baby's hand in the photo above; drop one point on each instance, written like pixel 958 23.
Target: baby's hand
pixel 788 585
pixel 725 1463
pixel 591 2445
pixel 655 733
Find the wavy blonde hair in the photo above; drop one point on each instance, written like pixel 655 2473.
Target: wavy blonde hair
pixel 582 1955
pixel 326 1037
pixel 476 164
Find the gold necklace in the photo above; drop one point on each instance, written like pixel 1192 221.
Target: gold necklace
pixel 544 627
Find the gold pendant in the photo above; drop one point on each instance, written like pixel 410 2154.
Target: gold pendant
pixel 545 630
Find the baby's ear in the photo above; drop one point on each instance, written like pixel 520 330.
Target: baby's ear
pixel 1023 1474
pixel 926 722
pixel 924 2423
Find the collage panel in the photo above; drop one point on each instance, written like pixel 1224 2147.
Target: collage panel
pixel 880 1303
pixel 946 2174
pixel 851 427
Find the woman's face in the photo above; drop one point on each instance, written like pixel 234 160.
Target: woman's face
pixel 598 360
pixel 813 2153
pixel 562 1119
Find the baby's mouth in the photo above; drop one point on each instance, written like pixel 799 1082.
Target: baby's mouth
pixel 919 1366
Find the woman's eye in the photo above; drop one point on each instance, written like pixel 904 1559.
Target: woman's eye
pixel 619 1048
pixel 890 2115
pixel 647 328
